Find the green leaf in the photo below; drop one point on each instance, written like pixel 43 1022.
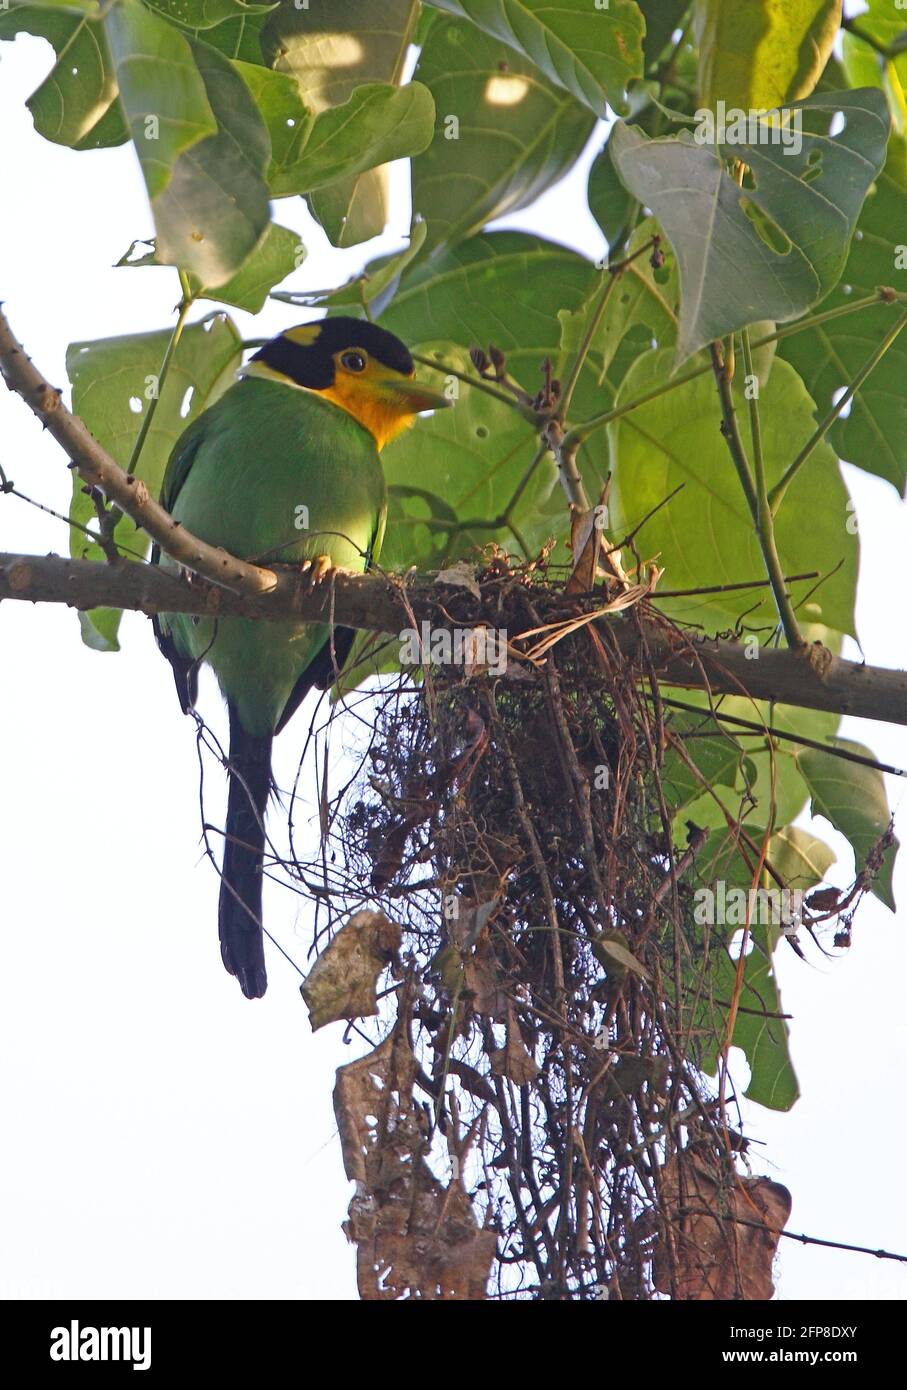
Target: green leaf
pixel 854 799
pixel 215 209
pixel 865 66
pixel 778 788
pixel 457 465
pixel 80 92
pixel 641 311
pixel 205 14
pixel 763 252
pixel 874 434
pixel 503 137
pixel 705 535
pixel 286 116
pixel 802 859
pixel 375 286
pixel 713 750
pixel 331 52
pixel 379 123
pixel 758 1029
pixel 276 256
pixel 609 202
pixel 662 18
pixel 710 981
pixel 759 54
pixel 592 53
pixel 239 38
pixel 162 91
pixel 111 380
pixel 504 288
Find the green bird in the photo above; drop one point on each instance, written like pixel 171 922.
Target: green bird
pixel 283 468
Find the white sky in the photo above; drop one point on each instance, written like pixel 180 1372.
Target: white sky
pixel 165 1138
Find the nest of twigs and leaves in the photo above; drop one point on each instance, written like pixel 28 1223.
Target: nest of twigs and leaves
pixel 506 888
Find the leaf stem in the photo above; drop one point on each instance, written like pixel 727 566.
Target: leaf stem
pixel 757 502
pixel 478 382
pixel 184 306
pixel 778 491
pixel 881 296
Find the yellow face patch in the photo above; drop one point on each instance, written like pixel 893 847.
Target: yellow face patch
pixel 367 393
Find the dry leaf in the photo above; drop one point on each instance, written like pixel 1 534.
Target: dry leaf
pixel 462 575
pixel 416 1238
pixel 483 981
pixel 592 555
pixel 343 982
pixel 610 947
pixel 717 1257
pixel 514 1060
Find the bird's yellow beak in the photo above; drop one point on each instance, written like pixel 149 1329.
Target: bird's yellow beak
pixel 412 396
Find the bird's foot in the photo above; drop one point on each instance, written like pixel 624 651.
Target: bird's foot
pixel 315 571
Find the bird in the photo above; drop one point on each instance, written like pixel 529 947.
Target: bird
pixel 284 468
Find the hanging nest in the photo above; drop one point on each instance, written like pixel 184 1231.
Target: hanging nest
pixel 537 1119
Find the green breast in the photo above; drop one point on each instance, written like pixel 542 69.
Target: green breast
pixel 272 474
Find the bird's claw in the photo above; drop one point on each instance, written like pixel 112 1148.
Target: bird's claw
pixel 315 571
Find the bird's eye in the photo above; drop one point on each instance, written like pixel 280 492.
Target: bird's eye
pixel 353 361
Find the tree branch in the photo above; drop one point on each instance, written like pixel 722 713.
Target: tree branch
pixel 127 492
pixel 811 679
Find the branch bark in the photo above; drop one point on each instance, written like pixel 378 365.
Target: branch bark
pixel 222 584
pixel 374 603
pixel 127 492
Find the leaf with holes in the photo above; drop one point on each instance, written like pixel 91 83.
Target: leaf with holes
pixel 873 434
pixel 287 118
pixel 331 52
pixel 504 133
pixel 113 381
pixel 767 251
pixel 76 104
pixel 592 52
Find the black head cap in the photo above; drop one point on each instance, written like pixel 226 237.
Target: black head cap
pixel 306 354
